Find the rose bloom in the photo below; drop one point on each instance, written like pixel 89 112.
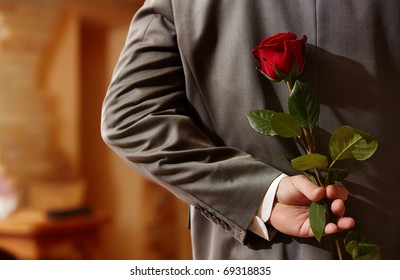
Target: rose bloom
pixel 281 56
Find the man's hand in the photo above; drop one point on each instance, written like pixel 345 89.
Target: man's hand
pixel 293 198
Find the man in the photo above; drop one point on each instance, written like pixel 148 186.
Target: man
pixel 175 110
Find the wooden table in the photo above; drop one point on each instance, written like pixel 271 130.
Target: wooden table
pixel 29 234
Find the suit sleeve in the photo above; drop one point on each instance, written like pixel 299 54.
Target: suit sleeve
pixel 147 121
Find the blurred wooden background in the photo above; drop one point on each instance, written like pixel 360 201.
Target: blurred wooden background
pixel 55 65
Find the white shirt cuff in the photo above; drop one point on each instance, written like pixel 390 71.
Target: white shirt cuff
pixel 263 214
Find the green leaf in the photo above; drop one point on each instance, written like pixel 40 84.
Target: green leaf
pixel 285 125
pixel 317 216
pixel 351 247
pixel 354 236
pixel 303 105
pixel 337 175
pixel 347 142
pixel 260 121
pixel 311 177
pixel 310 161
pixel 367 251
pixel 359 247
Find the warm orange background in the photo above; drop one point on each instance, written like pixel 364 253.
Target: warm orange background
pixel 64 52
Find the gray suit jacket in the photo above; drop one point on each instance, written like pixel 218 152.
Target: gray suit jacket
pixel 175 110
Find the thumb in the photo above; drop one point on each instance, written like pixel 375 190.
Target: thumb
pixel 310 190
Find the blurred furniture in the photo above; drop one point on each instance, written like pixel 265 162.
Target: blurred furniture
pixel 31 234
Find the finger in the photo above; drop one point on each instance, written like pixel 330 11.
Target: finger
pixel 337 192
pixel 338 208
pixel 331 228
pixel 342 224
pixel 310 190
pixel 345 223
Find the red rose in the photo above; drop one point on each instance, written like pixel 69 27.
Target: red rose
pixel 281 56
